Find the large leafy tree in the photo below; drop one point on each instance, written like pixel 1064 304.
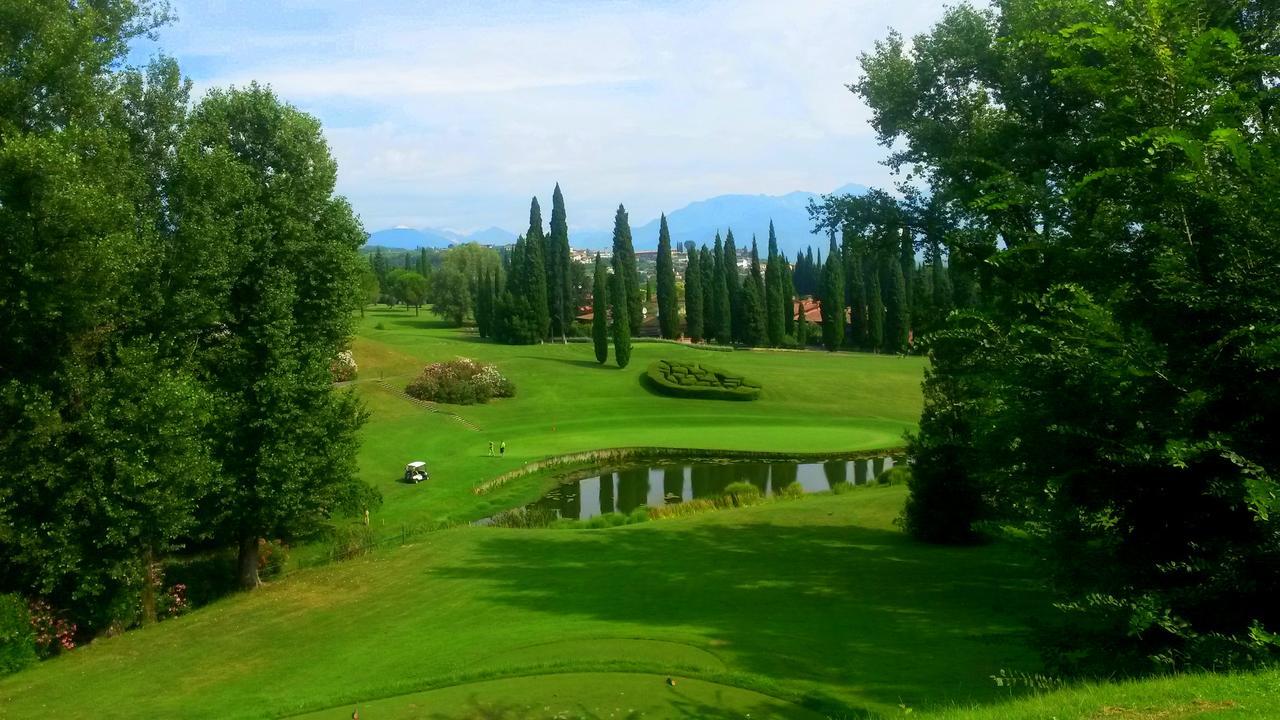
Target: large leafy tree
pixel 668 303
pixel 103 421
pixel 1116 168
pixel 257 181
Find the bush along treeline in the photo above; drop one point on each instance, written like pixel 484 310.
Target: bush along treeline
pixel 178 279
pixel 1110 382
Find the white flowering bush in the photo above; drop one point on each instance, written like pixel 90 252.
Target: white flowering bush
pixel 343 367
pixel 461 382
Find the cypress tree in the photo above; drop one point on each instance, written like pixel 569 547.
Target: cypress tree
pixel 706 266
pixel 621 315
pixel 729 259
pixel 833 317
pixel 693 295
pixel 668 307
pixel 897 312
pixel 559 280
pixel 624 264
pixel 775 314
pixel 536 274
pixel 755 324
pixel 723 308
pixel 855 290
pixel 802 326
pixel 907 258
pixel 600 311
pixel 942 293
pixel 751 305
pixel 788 296
pixel 875 314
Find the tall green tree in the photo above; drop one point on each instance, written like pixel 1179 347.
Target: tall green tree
pixel 756 319
pixel 875 313
pixel 775 312
pixel 897 313
pixel 258 182
pixel 693 294
pixel 720 295
pixel 535 273
pixel 788 295
pixel 600 311
pixel 624 264
pixel 833 311
pixel 707 264
pixel 560 296
pixel 855 289
pixel 733 287
pixel 1120 228
pixel 621 314
pixel 668 303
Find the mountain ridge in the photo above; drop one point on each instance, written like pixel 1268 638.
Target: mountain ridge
pixel 696 222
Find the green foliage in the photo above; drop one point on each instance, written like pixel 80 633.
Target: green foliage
pixel 600 311
pixel 619 305
pixel 561 298
pixel 17 641
pixel 833 291
pixel 897 311
pixel 624 268
pixel 668 303
pixel 693 295
pixel 451 295
pixel 696 380
pixel 751 304
pixel 775 309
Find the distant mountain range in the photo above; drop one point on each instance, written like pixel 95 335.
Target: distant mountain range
pixel 696 222
pixel 407 238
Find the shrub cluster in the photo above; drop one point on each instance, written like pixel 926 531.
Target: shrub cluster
pixel 696 380
pixel 460 382
pixel 343 368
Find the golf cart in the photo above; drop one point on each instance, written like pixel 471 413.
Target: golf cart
pixel 415 472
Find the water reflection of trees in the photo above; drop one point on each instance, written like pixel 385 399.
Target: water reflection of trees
pixel 783 474
pixel 633 489
pixel 837 472
pixel 672 484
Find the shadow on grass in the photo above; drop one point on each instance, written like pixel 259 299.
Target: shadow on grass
pixel 863 613
pixel 567 361
pixel 680 706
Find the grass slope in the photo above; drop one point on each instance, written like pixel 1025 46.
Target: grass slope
pixel 566 402
pixel 818 598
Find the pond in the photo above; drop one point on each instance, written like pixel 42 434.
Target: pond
pixel 625 490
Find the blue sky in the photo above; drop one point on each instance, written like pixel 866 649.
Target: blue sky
pixel 453 114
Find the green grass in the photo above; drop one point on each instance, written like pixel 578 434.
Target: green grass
pixel 817 600
pixel 817 607
pixel 565 402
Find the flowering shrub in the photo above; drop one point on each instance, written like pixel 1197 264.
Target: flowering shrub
pixel 343 367
pixel 272 557
pixel 53 634
pixel 461 382
pixel 174 602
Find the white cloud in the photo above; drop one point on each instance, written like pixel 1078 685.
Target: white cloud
pixel 452 115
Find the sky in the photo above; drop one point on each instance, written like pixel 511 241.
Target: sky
pixel 453 114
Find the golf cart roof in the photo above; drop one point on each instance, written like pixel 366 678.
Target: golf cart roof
pixel 416 464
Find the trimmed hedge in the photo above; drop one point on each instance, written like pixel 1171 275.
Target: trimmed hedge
pixel 696 380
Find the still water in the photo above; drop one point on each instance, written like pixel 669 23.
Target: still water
pixel 625 490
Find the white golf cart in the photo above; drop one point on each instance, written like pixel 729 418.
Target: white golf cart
pixel 415 472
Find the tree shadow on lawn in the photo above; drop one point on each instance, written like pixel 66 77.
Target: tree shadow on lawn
pixel 862 613
pixel 567 361
pixel 680 706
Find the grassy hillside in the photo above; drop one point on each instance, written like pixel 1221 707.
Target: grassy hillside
pixel 817 601
pixel 566 402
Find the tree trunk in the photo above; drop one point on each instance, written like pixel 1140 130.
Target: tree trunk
pixel 249 563
pixel 148 588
